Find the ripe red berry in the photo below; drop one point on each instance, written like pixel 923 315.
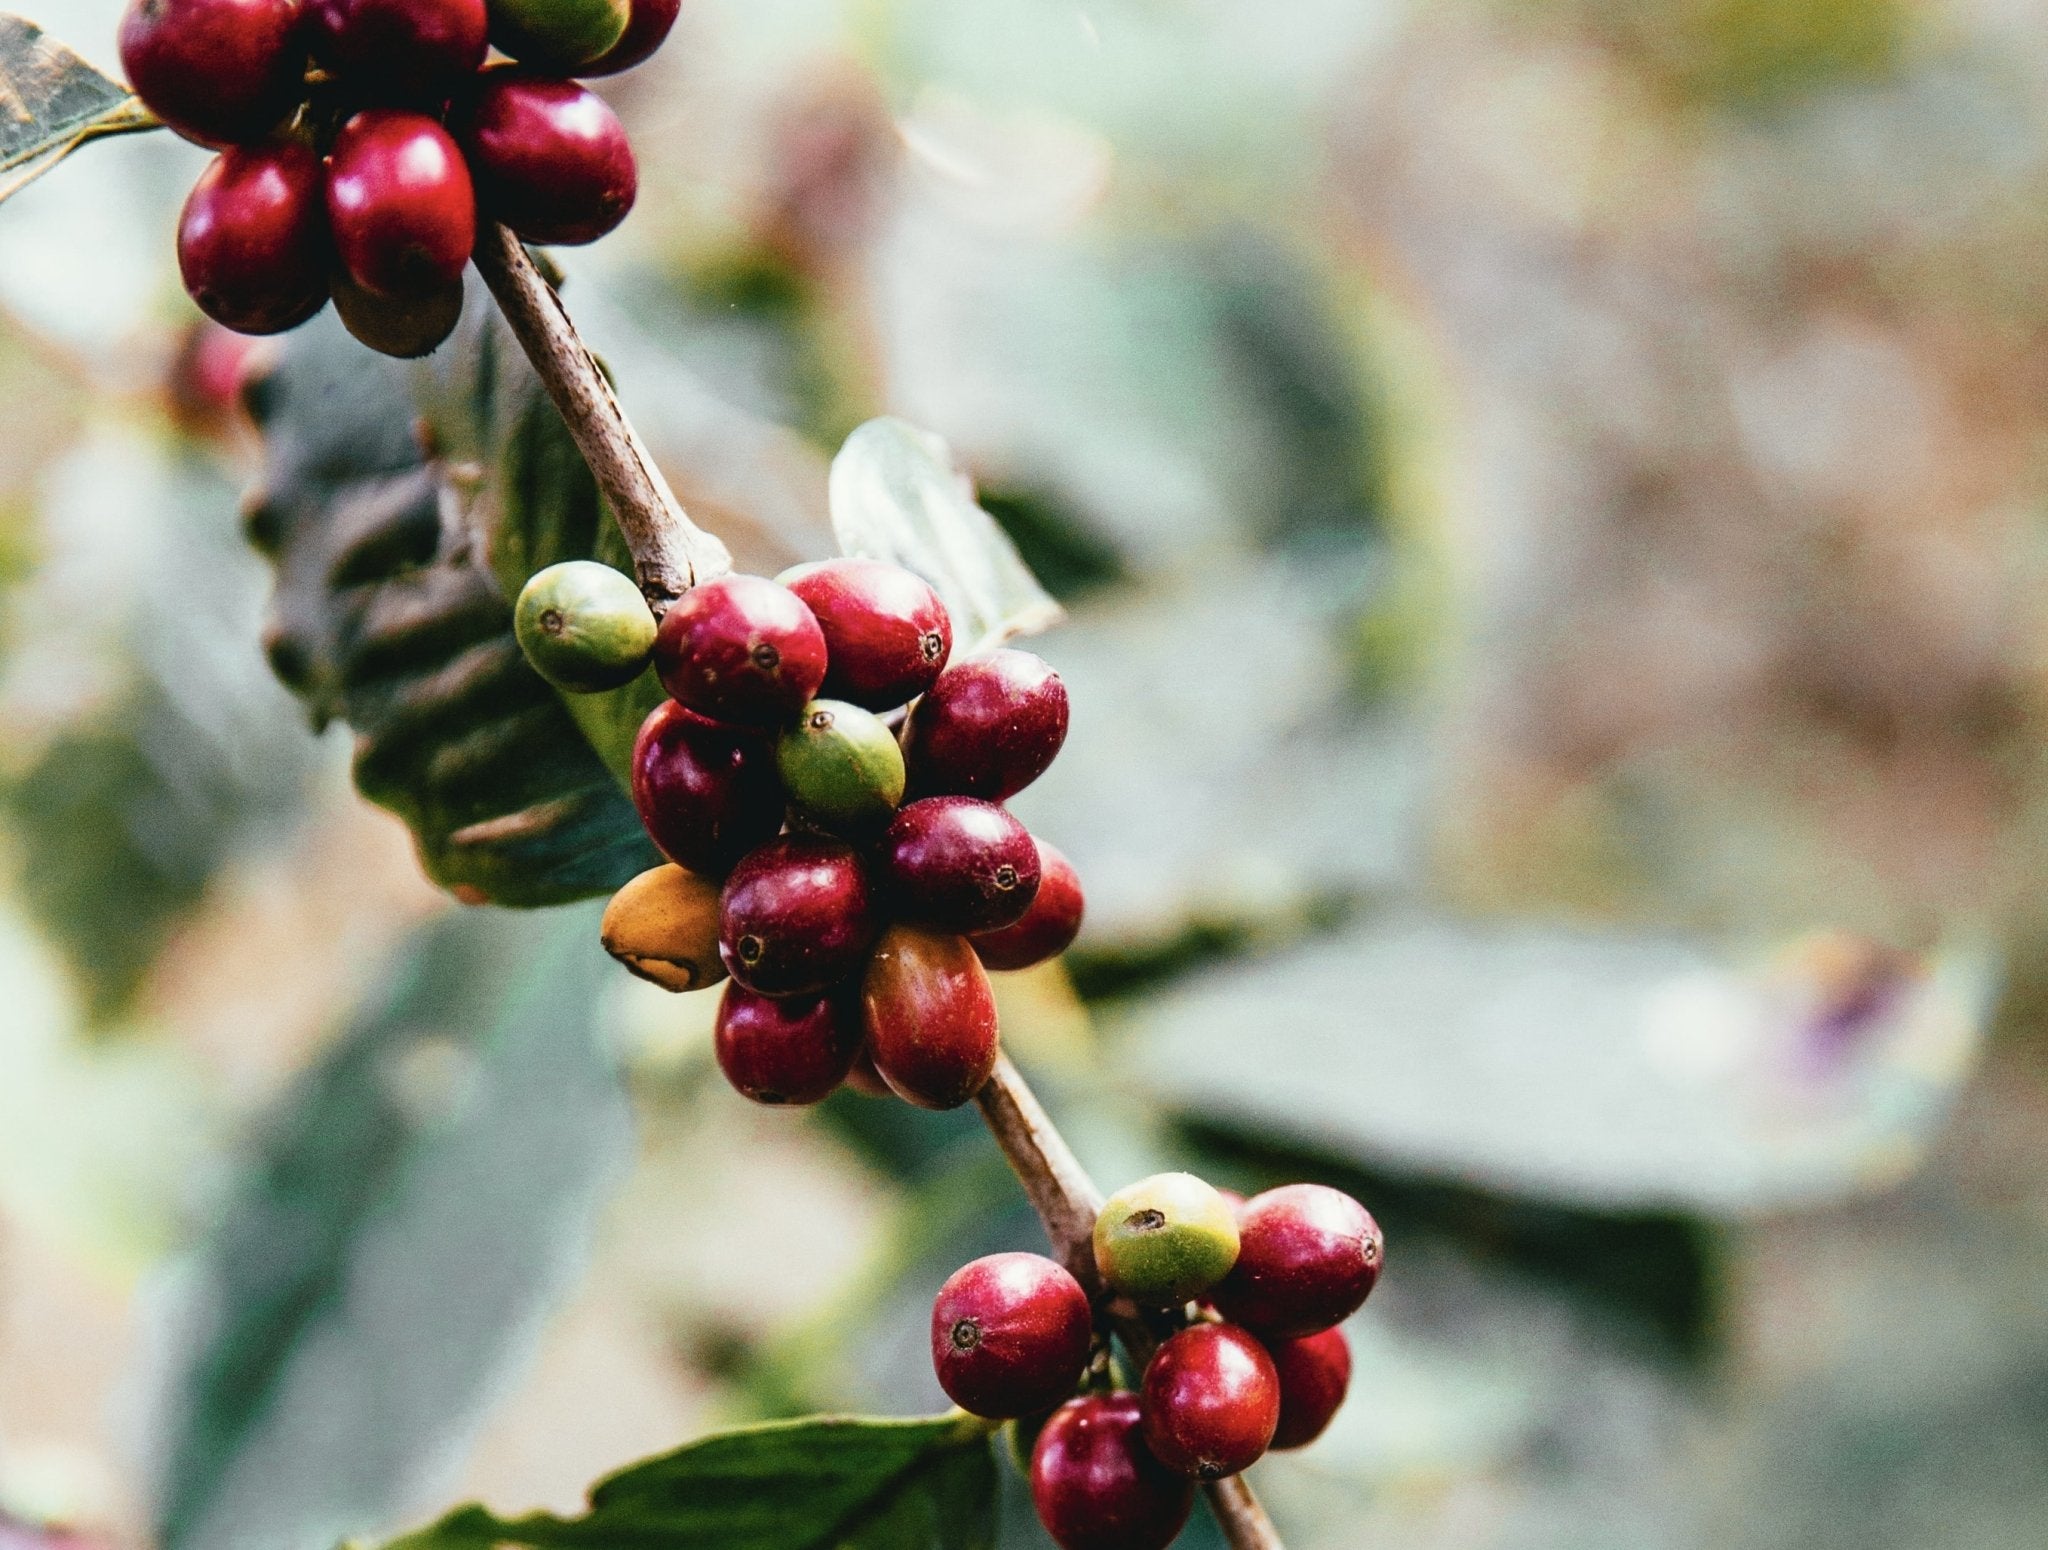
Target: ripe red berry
pixel 930 1016
pixel 400 203
pixel 888 633
pixel 222 72
pixel 1098 1487
pixel 794 1050
pixel 988 728
pixel 252 243
pixel 551 160
pixel 646 29
pixel 1308 1256
pixel 741 648
pixel 959 864
pixel 1010 1335
pixel 707 792
pixel 1212 1401
pixel 1048 927
pixel 417 48
pixel 796 916
pixel 1315 1373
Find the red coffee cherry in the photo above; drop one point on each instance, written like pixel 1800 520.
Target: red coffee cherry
pixel 221 72
pixel 551 160
pixel 988 728
pixel 795 917
pixel 959 864
pixel 1315 1373
pixel 417 48
pixel 1097 1486
pixel 741 648
pixel 931 1017
pixel 1308 1256
pixel 1010 1335
pixel 404 327
pixel 888 633
pixel 1211 1401
pixel 400 202
pixel 707 792
pixel 252 243
pixel 794 1050
pixel 1048 927
pixel 645 31
pixel 864 1078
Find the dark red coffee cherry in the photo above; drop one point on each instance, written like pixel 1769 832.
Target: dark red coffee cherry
pixel 988 728
pixel 707 791
pixel 742 648
pixel 414 48
pixel 931 1017
pixel 1308 1256
pixel 959 864
pixel 646 29
pixel 252 243
pixel 405 328
pixel 1315 1373
pixel 1048 927
pixel 1097 1486
pixel 793 1050
pixel 222 72
pixel 400 202
pixel 551 159
pixel 796 916
pixel 1010 1335
pixel 1211 1401
pixel 887 631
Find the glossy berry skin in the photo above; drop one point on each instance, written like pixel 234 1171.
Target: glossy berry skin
pixel 742 648
pixel 988 728
pixel 1315 1374
pixel 551 159
pixel 404 327
pixel 558 36
pixel 888 633
pixel 646 29
pixel 706 791
pixel 221 72
pixel 400 203
pixel 791 1050
pixel 1165 1239
pixel 1097 1486
pixel 252 242
pixel 663 926
pixel 1048 927
pixel 414 48
pixel 796 916
pixel 584 626
pixel 931 1017
pixel 1211 1401
pixel 842 768
pixel 1308 1257
pixel 1010 1336
pixel 959 864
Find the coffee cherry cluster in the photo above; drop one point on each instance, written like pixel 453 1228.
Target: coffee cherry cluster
pixel 856 882
pixel 361 141
pixel 1252 1292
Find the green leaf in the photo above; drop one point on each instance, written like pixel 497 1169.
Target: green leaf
pixel 821 1483
pixel 51 102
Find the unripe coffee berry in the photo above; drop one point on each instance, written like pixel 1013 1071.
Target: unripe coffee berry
pixel 842 768
pixel 558 35
pixel 1165 1239
pixel 959 864
pixel 1097 1486
pixel 988 728
pixel 414 48
pixel 646 29
pixel 252 242
pixel 1315 1373
pixel 584 626
pixel 706 791
pixel 1310 1255
pixel 796 916
pixel 550 158
pixel 403 327
pixel 786 1050
pixel 741 648
pixel 663 926
pixel 1010 1335
pixel 400 203
pixel 221 72
pixel 1211 1401
pixel 1048 927
pixel 931 1017
pixel 888 634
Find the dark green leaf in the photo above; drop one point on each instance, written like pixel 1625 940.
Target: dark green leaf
pixel 52 101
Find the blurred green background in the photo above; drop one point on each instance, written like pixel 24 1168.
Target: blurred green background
pixel 1551 500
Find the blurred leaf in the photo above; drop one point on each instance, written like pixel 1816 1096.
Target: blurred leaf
pixel 897 495
pixel 823 1483
pixel 414 1211
pixel 51 101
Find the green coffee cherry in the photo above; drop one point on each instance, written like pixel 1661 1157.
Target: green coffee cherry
pixel 557 35
pixel 842 767
pixel 584 626
pixel 1165 1239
